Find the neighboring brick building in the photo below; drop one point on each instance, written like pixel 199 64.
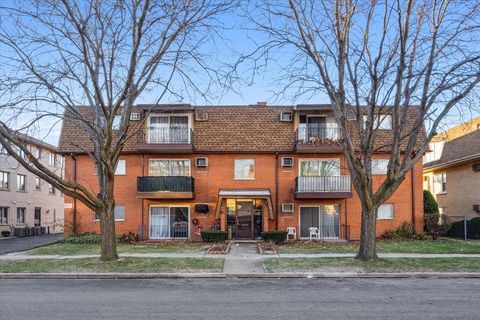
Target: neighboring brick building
pixel 451 169
pixel 25 199
pixel 245 169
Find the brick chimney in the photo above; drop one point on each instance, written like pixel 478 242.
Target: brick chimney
pixel 261 104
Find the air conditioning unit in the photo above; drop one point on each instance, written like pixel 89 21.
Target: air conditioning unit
pixel 476 207
pixel 476 167
pixel 286 116
pixel 287 162
pixel 135 116
pixel 287 207
pixel 201 162
pixel 201 116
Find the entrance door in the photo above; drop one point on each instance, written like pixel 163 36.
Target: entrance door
pixel 38 217
pixel 308 219
pixel 244 219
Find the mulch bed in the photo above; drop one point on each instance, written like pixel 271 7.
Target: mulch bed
pixel 219 248
pixel 164 243
pixel 267 247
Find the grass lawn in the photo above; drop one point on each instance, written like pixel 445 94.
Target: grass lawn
pixel 443 245
pixel 380 265
pixel 76 249
pixel 122 265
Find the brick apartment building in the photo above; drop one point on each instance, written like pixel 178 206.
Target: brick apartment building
pixel 244 169
pixel 451 170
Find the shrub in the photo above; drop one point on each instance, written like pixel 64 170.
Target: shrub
pixel 6 233
pixel 434 227
pixel 129 238
pixel 430 205
pixel 214 235
pixel 85 238
pixel 276 236
pixel 405 231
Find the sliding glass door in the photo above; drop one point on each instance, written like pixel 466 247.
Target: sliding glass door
pixel 324 217
pixel 168 222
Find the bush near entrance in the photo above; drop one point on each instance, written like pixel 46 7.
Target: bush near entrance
pixel 214 236
pixel 276 236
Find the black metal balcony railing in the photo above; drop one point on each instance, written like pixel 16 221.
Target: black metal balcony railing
pixel 315 133
pixel 165 184
pixel 323 184
pixel 170 135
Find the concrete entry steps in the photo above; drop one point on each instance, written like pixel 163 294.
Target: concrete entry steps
pixel 236 262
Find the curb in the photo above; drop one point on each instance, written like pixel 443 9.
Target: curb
pixel 330 275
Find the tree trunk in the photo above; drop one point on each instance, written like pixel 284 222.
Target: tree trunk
pixel 368 247
pixel 109 241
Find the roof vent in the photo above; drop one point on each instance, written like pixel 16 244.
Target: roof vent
pixel 134 116
pixel 201 116
pixel 261 103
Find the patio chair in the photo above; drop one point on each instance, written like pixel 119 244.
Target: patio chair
pixel 314 233
pixel 291 231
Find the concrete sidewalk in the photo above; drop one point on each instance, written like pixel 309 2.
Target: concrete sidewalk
pixel 243 258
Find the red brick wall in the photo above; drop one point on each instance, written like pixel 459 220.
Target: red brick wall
pixel 220 175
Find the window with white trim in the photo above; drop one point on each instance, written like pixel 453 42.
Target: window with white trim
pixel 51 159
pixel 21 182
pixel 4 215
pixel 38 183
pixel 440 183
pixel 4 180
pixel 169 167
pixel 379 166
pixel 244 169
pixel 121 168
pixel 21 215
pixel 385 212
pixel 381 122
pixel 119 213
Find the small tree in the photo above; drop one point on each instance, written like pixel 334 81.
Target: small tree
pixel 430 205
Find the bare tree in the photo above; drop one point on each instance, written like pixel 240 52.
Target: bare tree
pixel 410 59
pixel 104 54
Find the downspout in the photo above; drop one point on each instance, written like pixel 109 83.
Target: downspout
pixel 346 222
pixel 413 198
pixel 143 201
pixel 276 191
pixel 75 231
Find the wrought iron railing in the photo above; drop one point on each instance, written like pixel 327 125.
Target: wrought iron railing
pixel 169 135
pixel 323 184
pixel 317 133
pixel 166 183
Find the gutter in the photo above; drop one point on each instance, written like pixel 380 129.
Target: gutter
pixel 413 197
pixel 74 199
pixel 452 162
pixel 276 191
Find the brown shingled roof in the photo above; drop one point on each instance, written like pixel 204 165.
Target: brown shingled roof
pixel 248 128
pixel 466 147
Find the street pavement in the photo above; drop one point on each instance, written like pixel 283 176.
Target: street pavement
pixel 240 299
pixel 27 243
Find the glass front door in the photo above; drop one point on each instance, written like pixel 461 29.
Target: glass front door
pixel 244 218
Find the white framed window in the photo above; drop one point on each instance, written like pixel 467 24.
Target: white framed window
pixel 21 182
pixel 379 166
pixel 381 122
pixel 119 212
pixel 38 183
pixel 435 153
pixel 287 207
pixel 319 167
pixel 169 167
pixel 385 212
pixel 440 183
pixel 21 215
pixel 244 169
pixel 51 159
pixel 121 168
pixel 4 180
pixel 51 189
pixel 4 215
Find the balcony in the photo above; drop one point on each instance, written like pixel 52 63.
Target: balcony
pixel 169 139
pixel 323 187
pixel 318 138
pixel 170 187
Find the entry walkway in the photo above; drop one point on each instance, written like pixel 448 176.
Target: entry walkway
pixel 243 258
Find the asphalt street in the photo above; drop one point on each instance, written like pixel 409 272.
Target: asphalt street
pixel 27 243
pixel 241 299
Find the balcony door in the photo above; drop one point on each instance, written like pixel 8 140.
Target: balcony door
pixel 324 217
pixel 169 129
pixel 169 167
pixel 169 222
pixel 319 175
